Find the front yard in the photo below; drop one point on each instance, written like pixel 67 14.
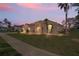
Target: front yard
pixel 7 50
pixel 55 44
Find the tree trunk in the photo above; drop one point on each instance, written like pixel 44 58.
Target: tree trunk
pixel 66 27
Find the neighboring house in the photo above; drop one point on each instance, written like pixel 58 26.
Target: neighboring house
pixel 17 27
pixel 3 26
pixel 41 27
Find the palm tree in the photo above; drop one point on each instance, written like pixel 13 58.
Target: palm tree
pixel 65 6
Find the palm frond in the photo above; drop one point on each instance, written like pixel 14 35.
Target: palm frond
pixel 64 6
pixel 60 5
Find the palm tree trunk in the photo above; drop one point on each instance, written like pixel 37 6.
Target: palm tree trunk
pixel 66 27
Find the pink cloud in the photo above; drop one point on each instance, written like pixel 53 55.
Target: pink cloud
pixel 39 6
pixel 29 5
pixel 6 7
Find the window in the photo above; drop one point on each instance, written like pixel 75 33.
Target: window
pixel 50 28
pixel 38 29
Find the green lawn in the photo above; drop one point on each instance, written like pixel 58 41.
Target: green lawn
pixel 7 50
pixel 59 45
pixel 74 34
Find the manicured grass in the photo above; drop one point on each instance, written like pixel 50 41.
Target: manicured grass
pixel 74 33
pixel 7 50
pixel 55 44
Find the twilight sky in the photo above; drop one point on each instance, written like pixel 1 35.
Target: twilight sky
pixel 20 13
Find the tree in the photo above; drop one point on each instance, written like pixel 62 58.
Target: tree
pixel 7 22
pixel 77 17
pixel 70 23
pixel 76 5
pixel 77 21
pixel 65 6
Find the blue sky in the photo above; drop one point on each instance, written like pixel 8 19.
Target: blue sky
pixel 20 13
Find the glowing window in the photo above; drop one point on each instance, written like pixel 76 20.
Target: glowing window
pixel 49 28
pixel 38 29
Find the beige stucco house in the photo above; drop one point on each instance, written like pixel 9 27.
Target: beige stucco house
pixel 42 27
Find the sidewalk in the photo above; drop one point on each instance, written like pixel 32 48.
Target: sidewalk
pixel 24 48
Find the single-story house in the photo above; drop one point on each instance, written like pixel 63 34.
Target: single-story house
pixel 42 27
